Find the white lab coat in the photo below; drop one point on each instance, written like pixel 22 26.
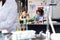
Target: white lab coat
pixel 9 16
pixel 0 4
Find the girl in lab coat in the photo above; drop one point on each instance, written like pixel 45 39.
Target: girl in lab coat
pixel 8 15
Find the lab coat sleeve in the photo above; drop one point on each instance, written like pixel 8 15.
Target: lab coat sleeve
pixel 10 20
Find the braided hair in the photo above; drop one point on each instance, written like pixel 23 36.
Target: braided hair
pixel 41 11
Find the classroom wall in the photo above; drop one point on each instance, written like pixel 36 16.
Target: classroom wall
pixel 56 9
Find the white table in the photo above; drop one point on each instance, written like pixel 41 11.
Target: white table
pixel 21 35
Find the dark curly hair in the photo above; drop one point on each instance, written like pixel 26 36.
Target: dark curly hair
pixel 3 1
pixel 41 11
